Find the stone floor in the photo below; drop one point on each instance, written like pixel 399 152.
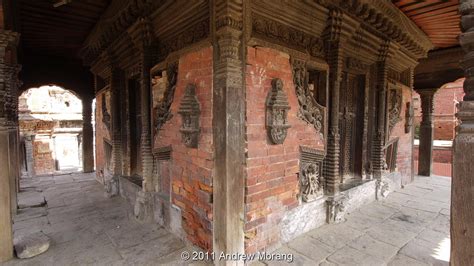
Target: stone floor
pixel 410 227
pixel 87 228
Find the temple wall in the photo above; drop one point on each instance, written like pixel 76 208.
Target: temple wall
pixel 405 141
pixel 272 170
pixel 101 133
pixel 191 169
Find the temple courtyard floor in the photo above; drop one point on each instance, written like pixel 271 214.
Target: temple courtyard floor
pixel 409 227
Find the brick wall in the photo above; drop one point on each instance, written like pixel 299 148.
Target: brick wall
pixel 43 156
pixel 191 169
pixel 101 132
pixel 405 142
pixel 272 170
pixel 440 154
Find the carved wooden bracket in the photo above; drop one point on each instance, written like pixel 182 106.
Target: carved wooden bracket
pixel 310 110
pixel 163 113
pixel 311 178
pixel 105 113
pixel 409 117
pixel 190 111
pixel 277 113
pixel 394 108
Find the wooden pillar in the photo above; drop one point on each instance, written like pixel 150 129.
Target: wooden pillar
pixel 6 234
pixel 378 158
pixel 87 136
pixel 29 152
pixel 9 168
pixel 228 125
pixel 116 84
pixel 462 189
pixel 425 157
pixel 141 34
pixel 335 60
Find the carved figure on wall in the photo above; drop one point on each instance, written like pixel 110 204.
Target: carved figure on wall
pixel 190 111
pixel 409 117
pixel 309 111
pixel 336 209
pixel 395 107
pixel 277 113
pixel 163 112
pixel 311 183
pixel 105 113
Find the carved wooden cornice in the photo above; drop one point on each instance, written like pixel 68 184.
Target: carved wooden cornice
pixel 119 16
pixel 193 34
pixel 386 18
pixel 276 31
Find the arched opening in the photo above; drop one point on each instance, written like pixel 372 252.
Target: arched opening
pixel 51 130
pixel 444 123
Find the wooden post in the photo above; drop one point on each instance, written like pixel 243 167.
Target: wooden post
pixel 228 124
pixel 87 136
pixel 9 170
pixel 462 190
pixel 6 234
pixel 426 132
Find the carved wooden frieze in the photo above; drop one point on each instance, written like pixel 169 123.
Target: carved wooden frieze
pixel 190 111
pixel 105 113
pixel 163 112
pixel 277 113
pixel 195 33
pixel 311 178
pixel 356 64
pixel 275 31
pixel 394 108
pixel 309 111
pixel 409 113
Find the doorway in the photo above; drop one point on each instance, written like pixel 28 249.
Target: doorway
pixel 351 125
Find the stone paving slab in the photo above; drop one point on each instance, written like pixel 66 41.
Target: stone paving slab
pixel 87 228
pixel 409 227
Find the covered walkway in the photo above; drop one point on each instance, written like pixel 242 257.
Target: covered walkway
pixel 410 227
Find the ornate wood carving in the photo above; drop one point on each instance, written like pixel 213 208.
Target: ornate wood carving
pixel 378 158
pixel 276 31
pixel 277 113
pixel 311 178
pixel 409 117
pixel 105 113
pixel 163 113
pixel 395 108
pixel 383 17
pixel 162 153
pixel 190 111
pixel 310 111
pixel 197 32
pixel 356 64
pixel 334 56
